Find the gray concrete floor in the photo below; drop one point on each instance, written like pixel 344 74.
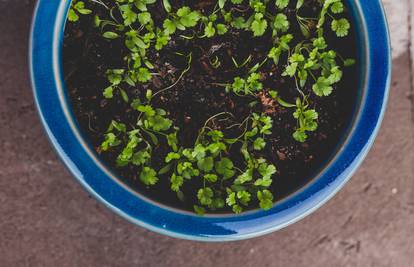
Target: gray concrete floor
pixel 47 219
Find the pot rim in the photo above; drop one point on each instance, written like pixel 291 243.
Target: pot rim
pixel 61 128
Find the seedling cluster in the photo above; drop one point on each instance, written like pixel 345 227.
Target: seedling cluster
pixel 304 57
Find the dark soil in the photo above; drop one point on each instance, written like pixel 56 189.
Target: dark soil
pixel 87 56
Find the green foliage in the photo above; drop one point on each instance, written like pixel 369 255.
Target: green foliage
pixel 225 168
pixel 148 176
pixel 307 120
pixel 184 18
pixel 340 27
pixel 77 8
pixel 240 181
pixel 281 23
pixel 330 9
pixel 187 18
pixel 212 27
pixel 154 120
pixel 205 196
pixel 282 44
pixel 281 4
pixel 248 86
pixel 259 24
pixel 266 199
pixel 313 60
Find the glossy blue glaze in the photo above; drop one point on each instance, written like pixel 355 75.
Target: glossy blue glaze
pixel 61 128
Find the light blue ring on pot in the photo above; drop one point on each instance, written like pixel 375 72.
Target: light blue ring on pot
pixel 63 132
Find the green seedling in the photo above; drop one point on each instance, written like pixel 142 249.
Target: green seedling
pixel 304 58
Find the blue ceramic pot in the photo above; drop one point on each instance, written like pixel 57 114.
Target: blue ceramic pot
pixel 49 90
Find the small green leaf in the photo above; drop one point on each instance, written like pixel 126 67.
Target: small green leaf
pixel 108 92
pixel 337 7
pixel 322 87
pixel 265 198
pixel 172 156
pixel 144 18
pixel 290 70
pixel 176 182
pixel 169 26
pixel 259 143
pixel 349 62
pixel 340 27
pixel 110 35
pixel 259 25
pixel 211 178
pixel 167 5
pixel 237 209
pixel 282 3
pixel 148 176
pixel 244 197
pixel 199 210
pixel 124 95
pixel 205 195
pixel 209 30
pixel 165 169
pixel 224 167
pixel 72 16
pixel 144 75
pixel 231 198
pixel 281 22
pixel 141 157
pixel 300 136
pixel 245 177
pixel 221 29
pixel 205 164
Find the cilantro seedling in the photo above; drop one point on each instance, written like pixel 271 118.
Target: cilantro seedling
pixel 230 170
pixel 77 8
pixel 330 9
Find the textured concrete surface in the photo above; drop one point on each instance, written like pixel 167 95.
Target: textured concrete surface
pixel 47 219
